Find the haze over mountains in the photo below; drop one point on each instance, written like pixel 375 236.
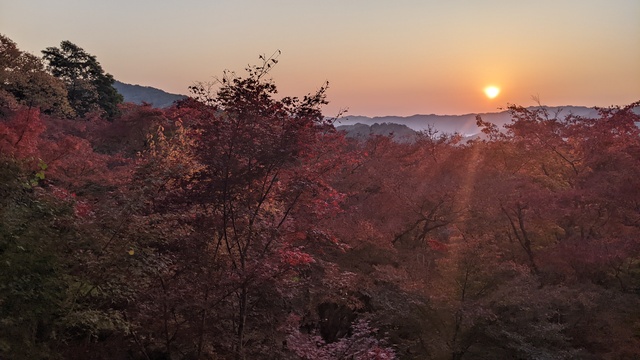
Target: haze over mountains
pixel 363 126
pixel 463 124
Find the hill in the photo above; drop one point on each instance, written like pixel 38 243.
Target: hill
pixel 138 94
pixel 400 132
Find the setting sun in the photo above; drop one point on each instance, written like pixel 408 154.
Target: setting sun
pixel 491 91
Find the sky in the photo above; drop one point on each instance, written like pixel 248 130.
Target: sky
pixel 400 57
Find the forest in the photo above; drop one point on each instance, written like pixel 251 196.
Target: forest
pixel 237 224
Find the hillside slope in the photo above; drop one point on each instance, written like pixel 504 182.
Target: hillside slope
pixel 138 94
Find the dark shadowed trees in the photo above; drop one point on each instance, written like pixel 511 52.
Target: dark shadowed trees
pixel 89 88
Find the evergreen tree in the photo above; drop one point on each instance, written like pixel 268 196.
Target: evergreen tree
pixel 88 86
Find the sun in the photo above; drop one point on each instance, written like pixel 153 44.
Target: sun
pixel 491 91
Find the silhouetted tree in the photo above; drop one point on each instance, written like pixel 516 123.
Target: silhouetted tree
pixel 89 87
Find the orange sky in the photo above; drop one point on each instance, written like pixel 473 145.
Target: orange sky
pixel 397 57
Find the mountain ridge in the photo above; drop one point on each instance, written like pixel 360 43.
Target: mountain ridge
pixel 464 124
pixel 139 94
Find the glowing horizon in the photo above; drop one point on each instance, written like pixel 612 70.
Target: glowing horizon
pixel 380 58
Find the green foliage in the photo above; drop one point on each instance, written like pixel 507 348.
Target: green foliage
pixel 44 300
pixel 32 290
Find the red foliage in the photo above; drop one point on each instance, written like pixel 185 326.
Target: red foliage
pixel 295 257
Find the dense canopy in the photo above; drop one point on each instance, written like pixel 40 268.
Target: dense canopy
pixel 239 225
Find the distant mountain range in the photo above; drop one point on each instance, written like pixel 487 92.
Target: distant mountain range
pixel 401 128
pixel 138 94
pixel 359 126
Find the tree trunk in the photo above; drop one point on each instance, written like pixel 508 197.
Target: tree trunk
pixel 242 319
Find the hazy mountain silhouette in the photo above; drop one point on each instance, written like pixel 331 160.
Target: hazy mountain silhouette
pixel 401 128
pixel 138 94
pixel 463 124
pixel 400 132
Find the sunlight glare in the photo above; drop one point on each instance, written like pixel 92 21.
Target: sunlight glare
pixel 491 91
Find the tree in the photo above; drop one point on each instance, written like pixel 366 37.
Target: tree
pixel 236 185
pixel 50 288
pixel 359 345
pixel 23 77
pixel 89 87
pixel 555 193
